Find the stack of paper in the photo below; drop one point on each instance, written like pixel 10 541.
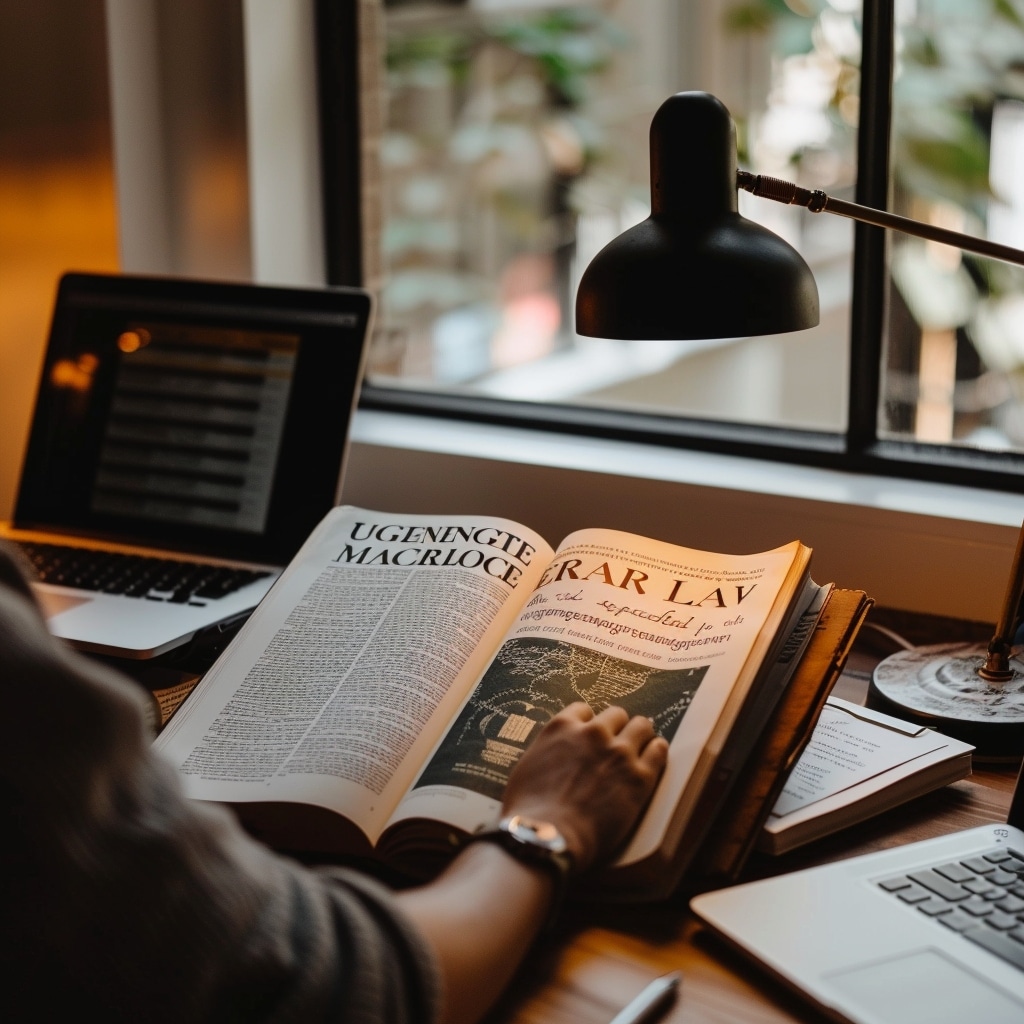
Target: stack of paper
pixel 857 764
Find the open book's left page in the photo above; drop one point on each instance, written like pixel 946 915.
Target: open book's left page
pixel 345 676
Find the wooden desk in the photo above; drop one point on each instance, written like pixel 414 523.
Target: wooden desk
pixel 599 958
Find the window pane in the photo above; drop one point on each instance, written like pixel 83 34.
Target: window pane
pixel 955 334
pixel 516 146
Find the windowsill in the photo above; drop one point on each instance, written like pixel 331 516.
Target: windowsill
pixel 918 546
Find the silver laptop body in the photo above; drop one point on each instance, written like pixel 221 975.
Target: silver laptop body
pixel 865 940
pixel 200 424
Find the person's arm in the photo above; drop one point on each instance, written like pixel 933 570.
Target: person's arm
pixel 590 776
pixel 140 901
pixel 124 901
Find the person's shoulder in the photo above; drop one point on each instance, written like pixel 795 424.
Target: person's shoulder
pixel 14 570
pixel 44 680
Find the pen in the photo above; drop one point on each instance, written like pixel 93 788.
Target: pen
pixel 655 998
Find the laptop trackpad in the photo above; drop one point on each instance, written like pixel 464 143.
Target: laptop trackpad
pixel 926 987
pixel 54 604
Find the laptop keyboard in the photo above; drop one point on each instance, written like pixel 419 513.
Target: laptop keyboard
pixel 981 897
pixel 149 578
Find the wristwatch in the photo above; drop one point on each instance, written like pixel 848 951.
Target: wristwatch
pixel 533 842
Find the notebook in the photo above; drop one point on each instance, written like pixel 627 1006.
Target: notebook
pixel 181 421
pixel 928 933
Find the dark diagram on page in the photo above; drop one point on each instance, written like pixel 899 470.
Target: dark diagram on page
pixel 528 683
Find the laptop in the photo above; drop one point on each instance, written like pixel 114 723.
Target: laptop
pixel 928 933
pixel 187 436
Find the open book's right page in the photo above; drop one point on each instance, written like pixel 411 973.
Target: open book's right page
pixel 669 632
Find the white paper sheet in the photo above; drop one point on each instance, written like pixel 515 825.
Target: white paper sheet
pixel 850 745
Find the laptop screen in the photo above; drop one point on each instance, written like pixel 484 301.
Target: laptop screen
pixel 195 424
pixel 202 416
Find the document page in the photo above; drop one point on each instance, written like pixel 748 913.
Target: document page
pixel 851 745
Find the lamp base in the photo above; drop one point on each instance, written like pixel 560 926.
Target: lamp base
pixel 939 686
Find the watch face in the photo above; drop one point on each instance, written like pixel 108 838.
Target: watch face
pixel 536 833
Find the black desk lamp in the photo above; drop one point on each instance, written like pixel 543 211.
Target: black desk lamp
pixel 697 269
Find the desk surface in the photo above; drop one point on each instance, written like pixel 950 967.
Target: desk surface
pixel 599 958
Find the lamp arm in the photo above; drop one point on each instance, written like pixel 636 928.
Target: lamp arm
pixel 996 667
pixel 818 202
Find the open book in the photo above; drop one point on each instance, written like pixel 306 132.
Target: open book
pixel 377 700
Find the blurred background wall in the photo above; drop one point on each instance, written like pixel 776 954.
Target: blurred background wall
pixel 57 207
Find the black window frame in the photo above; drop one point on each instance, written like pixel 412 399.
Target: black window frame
pixel 858 450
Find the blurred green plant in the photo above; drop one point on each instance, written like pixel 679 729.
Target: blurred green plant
pixel 570 46
pixel 491 112
pixel 953 61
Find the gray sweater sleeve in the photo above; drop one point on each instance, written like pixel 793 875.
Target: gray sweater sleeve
pixel 126 902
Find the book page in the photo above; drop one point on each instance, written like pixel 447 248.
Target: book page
pixel 344 677
pixel 616 619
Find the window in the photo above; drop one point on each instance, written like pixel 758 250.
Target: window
pixel 955 325
pixel 514 143
pixel 515 146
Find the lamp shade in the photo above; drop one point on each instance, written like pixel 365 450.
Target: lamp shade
pixel 695 268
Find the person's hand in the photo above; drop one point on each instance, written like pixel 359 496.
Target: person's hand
pixel 591 776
